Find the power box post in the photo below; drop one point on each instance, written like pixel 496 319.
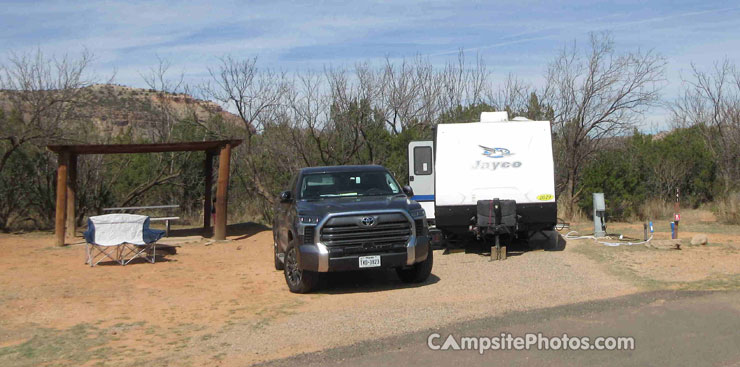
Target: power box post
pixel 599 215
pixel 676 211
pixel 645 231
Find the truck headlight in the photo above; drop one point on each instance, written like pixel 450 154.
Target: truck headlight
pixel 308 219
pixel 417 213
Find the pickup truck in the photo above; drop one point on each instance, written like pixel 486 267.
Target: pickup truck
pixel 345 218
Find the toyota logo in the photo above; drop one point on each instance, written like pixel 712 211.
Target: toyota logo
pixel 367 222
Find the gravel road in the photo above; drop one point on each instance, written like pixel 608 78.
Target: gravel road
pixel 353 307
pixel 670 328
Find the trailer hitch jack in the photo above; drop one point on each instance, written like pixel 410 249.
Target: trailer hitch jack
pixel 498 252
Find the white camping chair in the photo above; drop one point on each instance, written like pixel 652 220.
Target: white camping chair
pixel 121 238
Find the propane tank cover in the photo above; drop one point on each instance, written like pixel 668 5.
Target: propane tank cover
pixel 498 116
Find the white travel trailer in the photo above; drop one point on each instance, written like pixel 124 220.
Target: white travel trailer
pixel 493 177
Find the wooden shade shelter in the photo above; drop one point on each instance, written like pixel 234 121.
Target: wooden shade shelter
pixel 67 171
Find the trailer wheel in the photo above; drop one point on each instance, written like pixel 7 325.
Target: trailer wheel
pixel 548 240
pixel 554 241
pixel 451 240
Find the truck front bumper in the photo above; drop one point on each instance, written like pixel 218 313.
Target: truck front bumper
pixel 316 257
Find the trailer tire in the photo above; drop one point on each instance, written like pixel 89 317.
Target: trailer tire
pixel 555 242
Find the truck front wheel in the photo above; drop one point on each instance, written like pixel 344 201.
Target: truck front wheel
pixel 418 272
pixel 299 280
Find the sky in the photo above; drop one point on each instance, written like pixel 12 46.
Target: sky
pixel 128 37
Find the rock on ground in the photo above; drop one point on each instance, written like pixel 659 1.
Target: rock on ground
pixel 699 239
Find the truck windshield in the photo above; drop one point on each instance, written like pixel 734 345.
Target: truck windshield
pixel 348 184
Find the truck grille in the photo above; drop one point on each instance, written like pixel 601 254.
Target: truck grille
pixel 347 235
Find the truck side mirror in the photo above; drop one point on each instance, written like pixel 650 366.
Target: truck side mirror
pixel 408 191
pixel 286 197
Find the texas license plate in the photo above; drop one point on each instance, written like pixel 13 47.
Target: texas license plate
pixel 370 261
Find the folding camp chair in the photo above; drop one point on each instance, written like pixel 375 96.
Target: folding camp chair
pixel 121 238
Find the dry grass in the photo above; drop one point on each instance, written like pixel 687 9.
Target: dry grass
pixel 727 210
pixel 576 215
pixel 655 209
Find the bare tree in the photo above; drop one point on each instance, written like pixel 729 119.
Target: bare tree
pixel 308 111
pixel 165 89
pixel 596 95
pixel 512 96
pixel 462 85
pixel 41 94
pixel 254 95
pixel 346 117
pixel 712 101
pixel 399 89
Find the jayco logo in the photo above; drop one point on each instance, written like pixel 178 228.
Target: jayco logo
pixel 496 153
pixel 494 165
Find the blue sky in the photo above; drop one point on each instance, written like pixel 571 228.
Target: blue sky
pixel 517 37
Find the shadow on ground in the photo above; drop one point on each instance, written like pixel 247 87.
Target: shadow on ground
pixel 515 247
pixel 366 281
pixel 238 230
pixel 379 280
pixel 136 261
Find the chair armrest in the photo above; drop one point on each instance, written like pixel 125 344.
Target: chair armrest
pixel 89 234
pixel 152 235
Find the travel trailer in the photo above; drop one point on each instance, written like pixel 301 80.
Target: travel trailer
pixel 489 178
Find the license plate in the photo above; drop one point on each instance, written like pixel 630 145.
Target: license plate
pixel 370 261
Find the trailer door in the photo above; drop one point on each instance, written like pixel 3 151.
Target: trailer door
pixel 421 174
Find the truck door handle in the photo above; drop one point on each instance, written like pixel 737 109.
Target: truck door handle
pixel 411 178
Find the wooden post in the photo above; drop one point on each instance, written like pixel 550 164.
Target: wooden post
pixel 222 194
pixel 61 209
pixel 208 174
pixel 71 193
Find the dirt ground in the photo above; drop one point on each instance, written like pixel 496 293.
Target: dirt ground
pixel 224 304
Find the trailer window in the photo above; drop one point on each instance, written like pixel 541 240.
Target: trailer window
pixel 422 161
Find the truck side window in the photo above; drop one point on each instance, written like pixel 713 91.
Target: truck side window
pixel 422 161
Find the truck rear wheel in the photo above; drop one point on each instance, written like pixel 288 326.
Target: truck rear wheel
pixel 418 272
pixel 299 280
pixel 278 264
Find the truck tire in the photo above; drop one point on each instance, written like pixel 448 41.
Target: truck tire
pixel 418 272
pixel 278 264
pixel 298 280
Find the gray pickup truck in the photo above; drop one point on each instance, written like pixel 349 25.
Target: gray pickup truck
pixel 344 218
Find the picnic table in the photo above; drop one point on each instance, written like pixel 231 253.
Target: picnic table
pixel 152 219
